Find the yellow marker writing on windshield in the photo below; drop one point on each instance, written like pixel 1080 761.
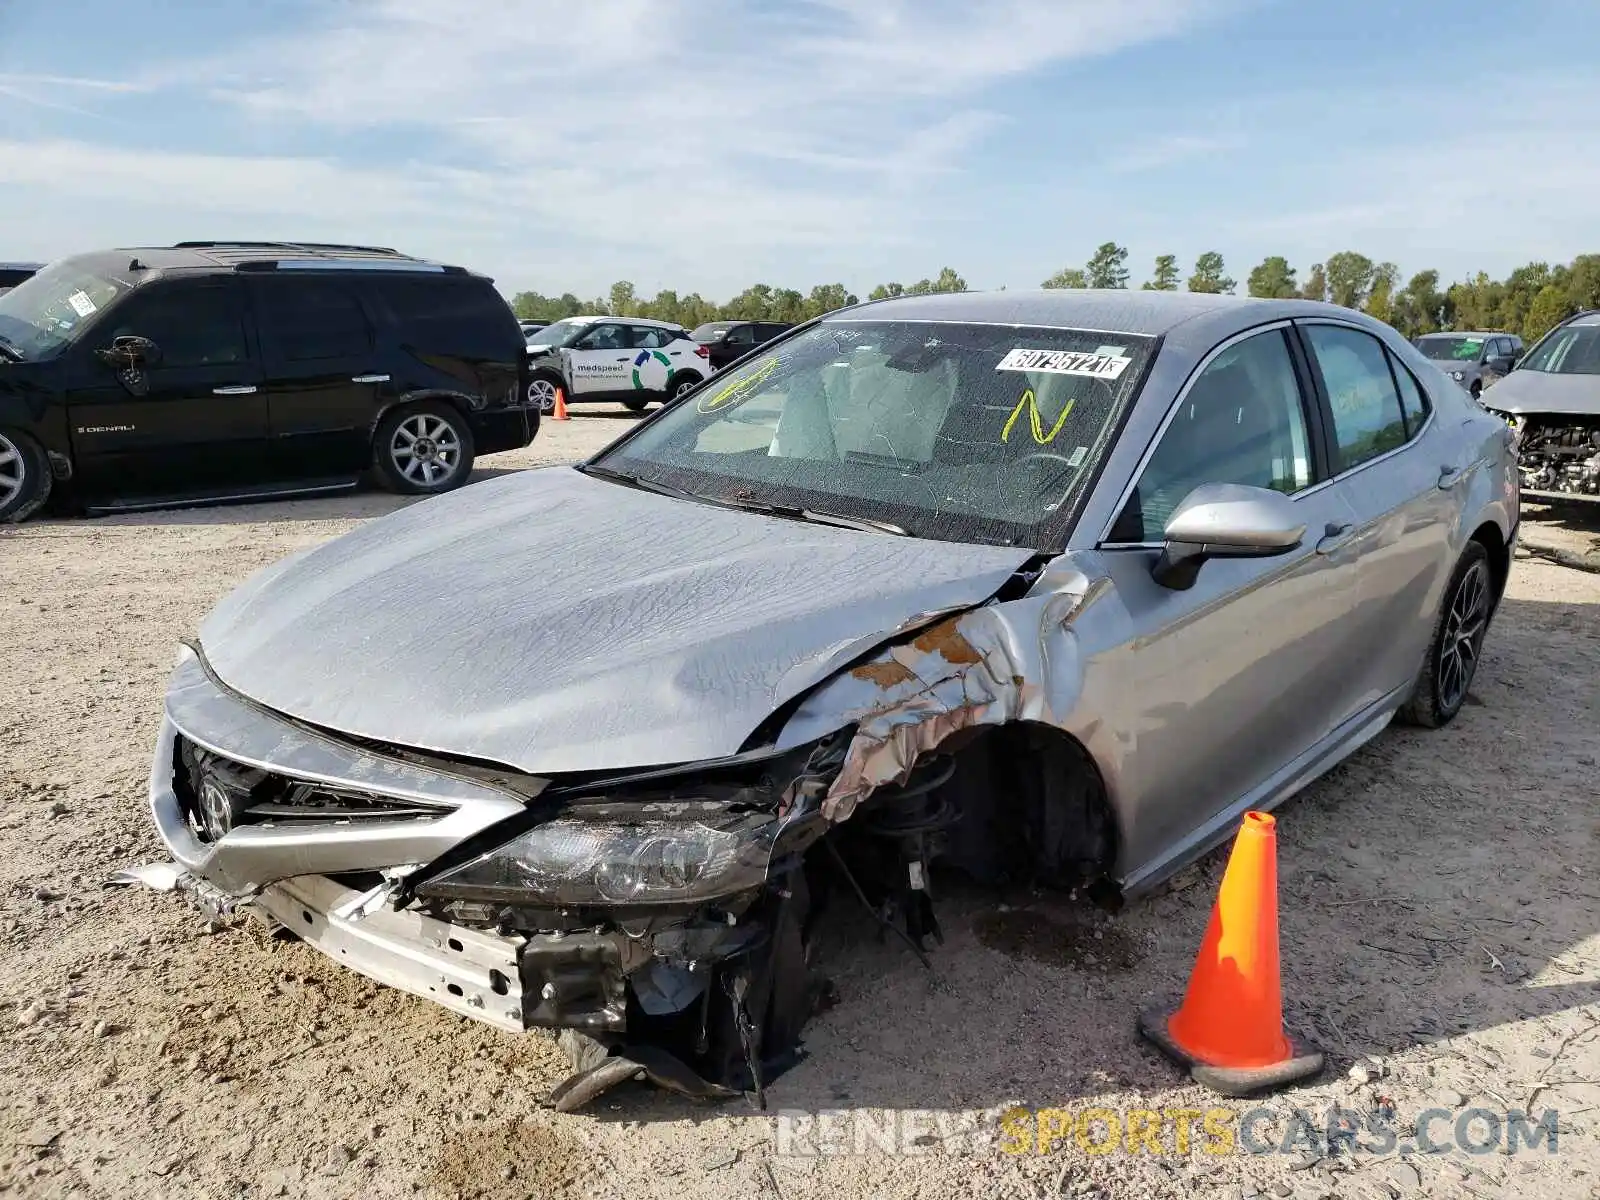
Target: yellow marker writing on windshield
pixel 1030 403
pixel 738 389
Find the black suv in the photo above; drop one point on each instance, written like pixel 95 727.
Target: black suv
pixel 212 371
pixel 13 273
pixel 729 340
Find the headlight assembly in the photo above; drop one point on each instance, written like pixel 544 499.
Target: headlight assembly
pixel 570 861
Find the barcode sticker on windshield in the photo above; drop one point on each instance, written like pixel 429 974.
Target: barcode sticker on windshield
pixel 81 304
pixel 1064 362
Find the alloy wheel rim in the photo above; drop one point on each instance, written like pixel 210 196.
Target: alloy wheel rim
pixel 682 387
pixel 1462 637
pixel 13 470
pixel 426 449
pixel 543 392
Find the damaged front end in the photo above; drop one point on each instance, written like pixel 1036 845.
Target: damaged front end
pixel 661 920
pixel 1558 454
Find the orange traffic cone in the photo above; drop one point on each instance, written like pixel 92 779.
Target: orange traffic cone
pixel 1228 1032
pixel 559 413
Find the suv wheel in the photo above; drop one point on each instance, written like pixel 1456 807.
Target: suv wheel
pixel 25 478
pixel 424 448
pixel 1458 634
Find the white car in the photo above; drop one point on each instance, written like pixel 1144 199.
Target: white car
pixel 620 360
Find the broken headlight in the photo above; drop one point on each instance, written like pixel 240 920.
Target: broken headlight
pixel 571 861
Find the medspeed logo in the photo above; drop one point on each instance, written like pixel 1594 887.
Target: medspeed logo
pixel 644 360
pixel 1064 362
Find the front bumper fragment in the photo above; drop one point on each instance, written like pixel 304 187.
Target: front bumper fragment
pixel 468 971
pixel 248 857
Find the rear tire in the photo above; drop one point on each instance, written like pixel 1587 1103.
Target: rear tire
pixel 1457 644
pixel 681 384
pixel 25 478
pixel 423 449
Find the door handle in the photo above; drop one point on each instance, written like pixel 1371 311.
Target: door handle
pixel 369 379
pixel 624 358
pixel 1334 536
pixel 1450 476
pixel 243 389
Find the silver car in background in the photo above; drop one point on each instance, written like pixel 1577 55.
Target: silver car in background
pixel 1474 360
pixel 1552 401
pixel 1043 586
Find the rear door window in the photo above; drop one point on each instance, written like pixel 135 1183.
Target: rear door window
pixel 1413 402
pixel 1362 396
pixel 741 335
pixel 650 337
pixel 306 320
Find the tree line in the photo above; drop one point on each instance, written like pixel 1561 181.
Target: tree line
pixel 1529 301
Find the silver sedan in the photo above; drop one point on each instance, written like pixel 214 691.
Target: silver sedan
pixel 1048 586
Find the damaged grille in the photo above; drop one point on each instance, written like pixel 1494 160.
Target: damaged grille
pixel 219 795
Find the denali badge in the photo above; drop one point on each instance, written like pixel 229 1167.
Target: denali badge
pixel 107 428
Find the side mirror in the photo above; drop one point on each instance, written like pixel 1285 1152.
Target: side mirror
pixel 1226 520
pixel 130 351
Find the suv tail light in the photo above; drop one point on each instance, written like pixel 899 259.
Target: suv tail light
pixel 704 352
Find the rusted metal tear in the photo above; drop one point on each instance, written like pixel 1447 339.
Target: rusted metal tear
pixel 913 696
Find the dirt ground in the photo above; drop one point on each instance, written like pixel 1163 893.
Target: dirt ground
pixel 1440 911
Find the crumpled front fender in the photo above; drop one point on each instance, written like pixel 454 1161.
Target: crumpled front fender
pixel 990 666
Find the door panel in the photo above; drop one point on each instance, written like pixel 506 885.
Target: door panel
pixel 1404 519
pixel 1225 683
pixel 202 424
pixel 599 362
pixel 324 385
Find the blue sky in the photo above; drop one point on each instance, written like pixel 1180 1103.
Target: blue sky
pixel 708 144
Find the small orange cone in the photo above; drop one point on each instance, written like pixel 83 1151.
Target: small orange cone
pixel 559 413
pixel 1228 1032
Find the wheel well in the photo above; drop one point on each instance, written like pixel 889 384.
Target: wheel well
pixel 1032 808
pixel 1489 537
pixel 455 402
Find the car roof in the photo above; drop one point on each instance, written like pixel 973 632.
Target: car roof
pixel 254 256
pixel 1584 318
pixel 21 266
pixel 1113 310
pixel 1477 333
pixel 589 320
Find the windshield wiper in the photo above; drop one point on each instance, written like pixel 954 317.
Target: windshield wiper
pixel 795 512
pixel 15 354
pixel 643 484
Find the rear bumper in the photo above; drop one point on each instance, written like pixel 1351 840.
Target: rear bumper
pixel 503 429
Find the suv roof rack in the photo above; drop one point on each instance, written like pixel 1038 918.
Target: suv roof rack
pixel 312 247
pixel 313 256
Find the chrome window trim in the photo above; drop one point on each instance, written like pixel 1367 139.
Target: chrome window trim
pixel 1433 405
pixel 1103 541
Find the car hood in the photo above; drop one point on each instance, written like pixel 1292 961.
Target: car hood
pixel 551 622
pixel 1527 391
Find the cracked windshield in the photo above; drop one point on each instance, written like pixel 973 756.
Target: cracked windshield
pixel 951 432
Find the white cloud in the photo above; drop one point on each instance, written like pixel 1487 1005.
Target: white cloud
pixel 721 136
